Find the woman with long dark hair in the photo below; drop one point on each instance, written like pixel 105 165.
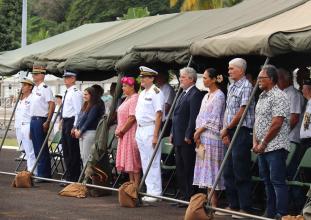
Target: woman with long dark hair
pixel 91 112
pixel 207 135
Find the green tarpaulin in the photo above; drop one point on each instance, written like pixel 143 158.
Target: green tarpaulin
pixel 10 61
pixel 281 34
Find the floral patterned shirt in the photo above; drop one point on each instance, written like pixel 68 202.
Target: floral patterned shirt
pixel 273 103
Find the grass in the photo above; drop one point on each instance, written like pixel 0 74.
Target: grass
pixel 9 142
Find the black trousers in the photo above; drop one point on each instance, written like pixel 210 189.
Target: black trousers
pixel 71 151
pixel 185 161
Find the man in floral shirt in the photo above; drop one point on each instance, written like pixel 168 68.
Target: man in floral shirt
pixel 271 140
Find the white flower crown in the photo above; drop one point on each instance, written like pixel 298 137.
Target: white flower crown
pixel 219 78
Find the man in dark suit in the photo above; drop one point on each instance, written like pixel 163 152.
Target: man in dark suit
pixel 183 128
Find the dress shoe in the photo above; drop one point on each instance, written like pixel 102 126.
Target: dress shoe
pixel 39 181
pixel 149 199
pixel 63 184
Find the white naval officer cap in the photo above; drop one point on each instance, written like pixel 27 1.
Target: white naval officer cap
pixel 69 73
pixel 146 71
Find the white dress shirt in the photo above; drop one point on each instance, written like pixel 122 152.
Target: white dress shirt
pixel 72 103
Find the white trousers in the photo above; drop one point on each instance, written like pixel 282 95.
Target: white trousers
pixel 86 142
pixel 18 132
pixel 144 136
pixel 28 147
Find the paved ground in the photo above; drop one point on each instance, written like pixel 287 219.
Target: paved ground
pixel 42 202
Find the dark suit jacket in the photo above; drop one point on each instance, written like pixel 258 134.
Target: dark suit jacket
pixel 185 114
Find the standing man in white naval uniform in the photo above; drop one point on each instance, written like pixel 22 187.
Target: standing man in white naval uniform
pixel 41 111
pixel 72 103
pixel 149 111
pixel 24 116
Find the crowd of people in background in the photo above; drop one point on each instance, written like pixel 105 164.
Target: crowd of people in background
pixel 201 128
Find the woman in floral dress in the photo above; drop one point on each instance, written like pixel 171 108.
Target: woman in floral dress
pixel 128 158
pixel 208 126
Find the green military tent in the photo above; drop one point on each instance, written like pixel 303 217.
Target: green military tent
pixel 10 61
pixel 281 34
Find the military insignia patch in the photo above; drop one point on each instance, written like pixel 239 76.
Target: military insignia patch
pixel 156 89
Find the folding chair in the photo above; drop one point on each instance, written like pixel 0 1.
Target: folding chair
pixel 167 150
pixel 56 153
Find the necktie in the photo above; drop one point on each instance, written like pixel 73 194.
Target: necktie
pixel 181 97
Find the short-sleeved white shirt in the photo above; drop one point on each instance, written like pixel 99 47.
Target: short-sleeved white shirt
pixel 296 102
pixel 149 102
pixel 305 130
pixel 41 96
pixel 72 103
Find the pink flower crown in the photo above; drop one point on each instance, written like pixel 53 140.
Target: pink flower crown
pixel 128 80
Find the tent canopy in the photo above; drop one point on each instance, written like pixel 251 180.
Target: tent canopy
pixel 158 39
pixel 284 33
pixel 10 61
pixel 56 58
pixel 173 39
pixel 155 40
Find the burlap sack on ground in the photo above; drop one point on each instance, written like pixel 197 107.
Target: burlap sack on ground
pixel 99 178
pixel 22 180
pixel 128 195
pixel 77 190
pixel 290 217
pixel 195 210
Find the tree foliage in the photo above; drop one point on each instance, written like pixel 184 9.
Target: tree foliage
pixel 138 12
pixel 189 5
pixel 10 24
pixel 49 17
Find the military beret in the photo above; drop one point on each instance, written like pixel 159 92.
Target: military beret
pixel 38 69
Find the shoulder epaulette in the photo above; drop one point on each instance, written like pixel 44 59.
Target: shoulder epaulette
pixel 156 89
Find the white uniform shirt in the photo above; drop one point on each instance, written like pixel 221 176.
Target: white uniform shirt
pixel 149 102
pixel 41 97
pixel 18 115
pixel 305 130
pixel 25 109
pixel 296 102
pixel 169 95
pixel 72 103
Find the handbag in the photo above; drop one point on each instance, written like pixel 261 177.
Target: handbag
pixel 128 195
pixel 77 190
pixel 200 150
pixel 195 210
pixel 23 180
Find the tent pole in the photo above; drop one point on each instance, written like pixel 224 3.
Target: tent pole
pixel 46 139
pixel 210 195
pixel 11 118
pixel 162 133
